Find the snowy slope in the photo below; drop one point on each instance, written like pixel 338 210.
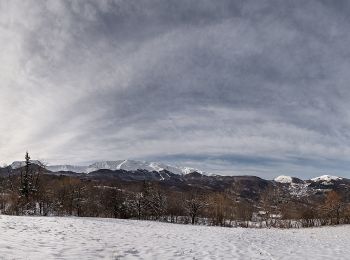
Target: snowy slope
pixel 89 238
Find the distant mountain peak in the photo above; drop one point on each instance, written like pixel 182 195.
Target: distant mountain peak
pixel 19 164
pixel 326 178
pixel 283 179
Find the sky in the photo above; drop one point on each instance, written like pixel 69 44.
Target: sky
pixel 230 87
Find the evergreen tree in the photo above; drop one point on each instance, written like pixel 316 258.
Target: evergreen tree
pixel 25 188
pixel 29 179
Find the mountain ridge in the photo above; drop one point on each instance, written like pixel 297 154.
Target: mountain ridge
pixel 127 165
pixel 138 165
pixel 131 172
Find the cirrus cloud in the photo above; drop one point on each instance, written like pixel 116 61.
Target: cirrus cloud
pixel 233 87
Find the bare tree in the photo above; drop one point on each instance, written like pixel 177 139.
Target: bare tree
pixel 333 207
pixel 194 205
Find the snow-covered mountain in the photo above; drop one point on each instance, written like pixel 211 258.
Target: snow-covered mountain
pixel 19 164
pixel 132 165
pixel 326 178
pixel 127 165
pixel 283 179
pixel 183 178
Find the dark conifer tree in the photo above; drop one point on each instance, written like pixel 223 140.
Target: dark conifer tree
pixel 25 188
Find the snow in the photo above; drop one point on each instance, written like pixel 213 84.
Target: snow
pixel 91 238
pixel 109 165
pixel 326 178
pixel 299 189
pixel 283 179
pixel 295 189
pixel 188 170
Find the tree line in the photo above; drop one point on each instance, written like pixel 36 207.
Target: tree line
pixel 32 192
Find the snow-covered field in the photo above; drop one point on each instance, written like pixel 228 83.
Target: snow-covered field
pixel 89 238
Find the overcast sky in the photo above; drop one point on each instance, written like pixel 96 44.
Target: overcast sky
pixel 231 87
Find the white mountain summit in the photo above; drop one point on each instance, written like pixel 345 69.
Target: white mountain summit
pixel 326 178
pixel 283 179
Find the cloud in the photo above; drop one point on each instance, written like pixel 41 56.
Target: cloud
pixel 236 87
